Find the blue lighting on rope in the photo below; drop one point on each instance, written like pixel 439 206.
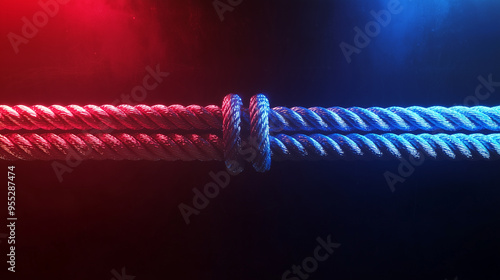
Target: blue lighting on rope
pixel 296 133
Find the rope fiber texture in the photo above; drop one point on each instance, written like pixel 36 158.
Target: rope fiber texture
pixel 387 119
pixel 281 119
pixel 115 146
pixel 386 146
pixel 173 117
pixel 155 146
pixel 230 132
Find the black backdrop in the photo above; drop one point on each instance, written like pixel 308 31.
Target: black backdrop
pixel 442 222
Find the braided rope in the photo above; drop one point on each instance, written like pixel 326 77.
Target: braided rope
pixel 123 146
pixel 115 146
pixel 259 132
pixel 257 124
pixel 231 110
pixel 281 119
pixel 386 146
pixel 387 119
pixel 110 117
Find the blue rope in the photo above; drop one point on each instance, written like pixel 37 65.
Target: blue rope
pixel 355 119
pixel 259 132
pixel 386 146
pixel 263 123
pixel 231 108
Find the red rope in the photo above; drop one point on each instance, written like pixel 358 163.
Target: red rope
pixel 241 128
pixel 116 146
pixel 110 117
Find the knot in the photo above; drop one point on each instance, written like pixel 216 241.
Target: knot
pixel 259 132
pixel 231 133
pixel 258 136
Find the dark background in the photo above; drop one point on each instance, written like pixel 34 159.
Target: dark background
pixel 442 222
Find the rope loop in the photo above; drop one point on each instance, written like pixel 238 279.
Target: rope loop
pixel 231 134
pixel 259 132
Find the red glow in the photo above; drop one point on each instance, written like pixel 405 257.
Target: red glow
pixel 79 40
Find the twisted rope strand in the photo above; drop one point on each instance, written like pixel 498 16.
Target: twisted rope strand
pixel 115 146
pixel 110 117
pixel 413 118
pixel 231 111
pixel 281 119
pixel 122 146
pixel 259 132
pixel 253 127
pixel 387 146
